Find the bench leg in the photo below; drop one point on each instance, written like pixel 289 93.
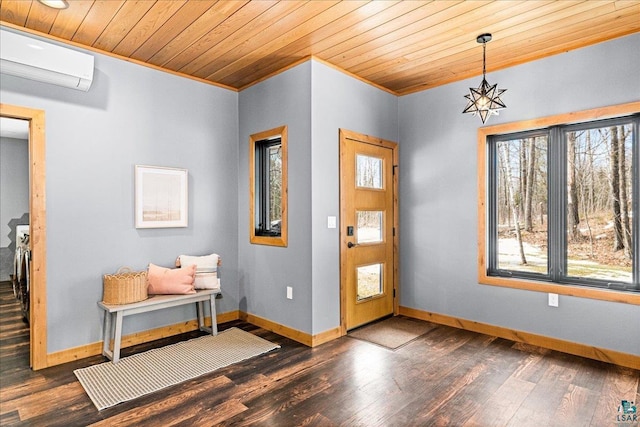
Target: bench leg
pixel 200 311
pixel 214 320
pixel 106 335
pixel 117 338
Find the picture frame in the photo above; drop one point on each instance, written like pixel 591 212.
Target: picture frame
pixel 161 197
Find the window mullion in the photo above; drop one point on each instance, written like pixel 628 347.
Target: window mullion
pixel 635 203
pixel 557 183
pixel 260 186
pixel 264 176
pixel 492 206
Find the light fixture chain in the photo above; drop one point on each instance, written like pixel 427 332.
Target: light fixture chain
pixel 484 59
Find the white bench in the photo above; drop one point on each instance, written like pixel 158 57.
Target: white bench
pixel 113 330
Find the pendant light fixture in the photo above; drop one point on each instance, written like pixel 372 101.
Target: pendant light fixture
pixel 484 100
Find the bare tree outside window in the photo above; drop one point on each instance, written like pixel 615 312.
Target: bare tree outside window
pixel 369 225
pixel 522 186
pixel 599 179
pixel 594 210
pixel 369 175
pixel 275 188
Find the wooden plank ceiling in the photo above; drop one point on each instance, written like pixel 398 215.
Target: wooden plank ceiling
pixel 401 46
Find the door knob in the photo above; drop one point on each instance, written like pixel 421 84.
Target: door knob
pixel 351 245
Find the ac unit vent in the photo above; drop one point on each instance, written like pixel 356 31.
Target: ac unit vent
pixel 44 62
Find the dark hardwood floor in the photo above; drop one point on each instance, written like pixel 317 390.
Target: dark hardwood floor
pixel 445 377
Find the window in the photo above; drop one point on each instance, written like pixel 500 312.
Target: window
pixel 268 187
pixel 559 205
pixel 519 232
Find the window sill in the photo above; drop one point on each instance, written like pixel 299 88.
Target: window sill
pixel 269 241
pixel 575 291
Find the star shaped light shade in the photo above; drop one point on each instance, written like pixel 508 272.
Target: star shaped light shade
pixel 484 100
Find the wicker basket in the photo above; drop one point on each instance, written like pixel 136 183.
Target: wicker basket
pixel 124 287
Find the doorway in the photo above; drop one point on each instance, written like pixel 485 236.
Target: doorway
pixel 37 240
pixel 369 229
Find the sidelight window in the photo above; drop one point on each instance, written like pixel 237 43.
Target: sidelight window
pixel 268 169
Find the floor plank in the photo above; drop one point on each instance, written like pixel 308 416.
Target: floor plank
pixel 447 377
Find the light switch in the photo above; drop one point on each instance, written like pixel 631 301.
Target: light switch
pixel 331 222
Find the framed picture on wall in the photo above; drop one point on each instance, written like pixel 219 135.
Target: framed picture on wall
pixel 161 197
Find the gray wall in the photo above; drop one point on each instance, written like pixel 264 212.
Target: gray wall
pixel 266 271
pixel 438 194
pixel 339 101
pixel 314 101
pixel 14 195
pixel 131 115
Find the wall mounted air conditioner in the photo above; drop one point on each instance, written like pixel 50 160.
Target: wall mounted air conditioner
pixel 45 62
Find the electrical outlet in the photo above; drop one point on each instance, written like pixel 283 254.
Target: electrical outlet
pixel 289 292
pixel 553 300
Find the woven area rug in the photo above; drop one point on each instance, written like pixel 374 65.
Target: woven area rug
pixel 108 384
pixel 393 332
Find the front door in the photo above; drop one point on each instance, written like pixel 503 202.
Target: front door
pixel 368 206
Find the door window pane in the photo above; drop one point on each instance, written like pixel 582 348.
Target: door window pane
pixel 369 281
pixel 369 226
pixel 368 171
pixel 521 200
pixel 599 203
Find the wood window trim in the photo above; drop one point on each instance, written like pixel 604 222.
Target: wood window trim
pixel 281 240
pixel 482 146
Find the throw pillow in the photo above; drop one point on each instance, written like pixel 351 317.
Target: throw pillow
pixel 171 280
pixel 205 264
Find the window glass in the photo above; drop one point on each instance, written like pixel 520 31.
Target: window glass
pixel 369 226
pixel 599 203
pixel 521 204
pixel 369 281
pixel 368 171
pixel 561 204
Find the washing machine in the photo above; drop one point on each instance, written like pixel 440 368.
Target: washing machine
pixel 21 269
